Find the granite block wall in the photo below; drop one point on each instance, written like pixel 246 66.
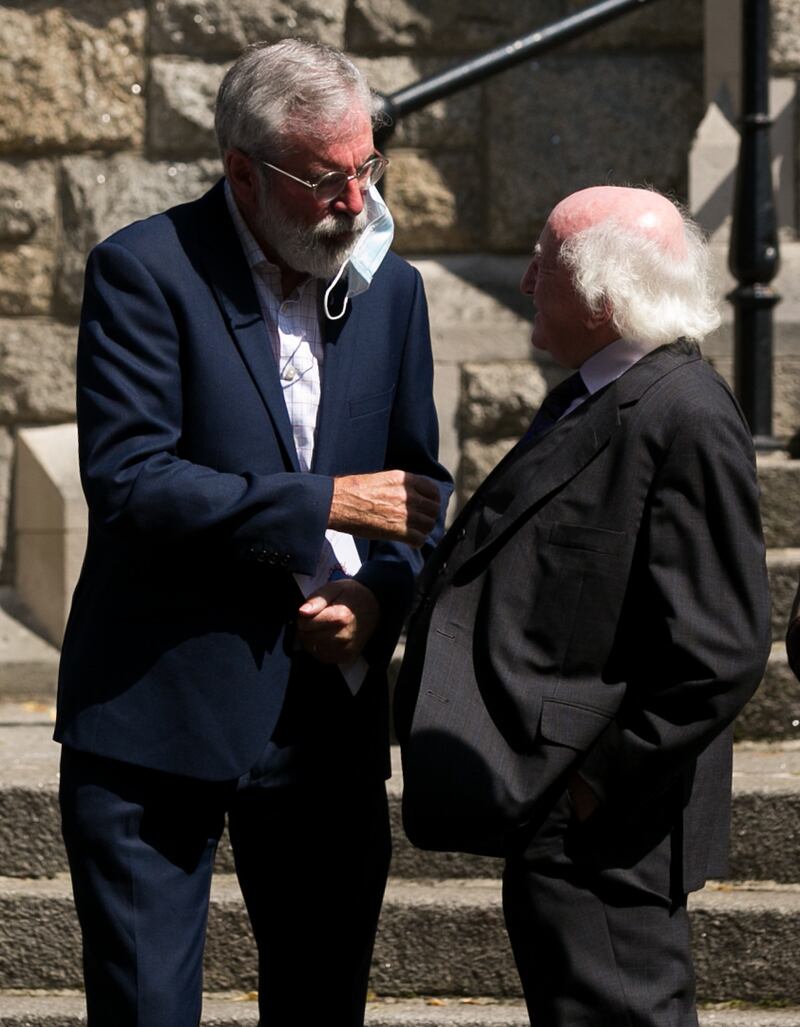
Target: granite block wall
pixel 106 116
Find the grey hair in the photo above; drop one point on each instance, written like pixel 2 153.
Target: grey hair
pixel 655 296
pixel 291 86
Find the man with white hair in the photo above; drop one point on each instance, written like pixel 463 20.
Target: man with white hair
pixel 591 625
pixel 258 451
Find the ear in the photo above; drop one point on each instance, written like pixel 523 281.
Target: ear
pixel 600 318
pixel 242 177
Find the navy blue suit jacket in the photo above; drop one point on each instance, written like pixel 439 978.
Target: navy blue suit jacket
pixel 179 644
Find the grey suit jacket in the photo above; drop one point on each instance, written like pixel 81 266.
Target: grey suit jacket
pixel 600 603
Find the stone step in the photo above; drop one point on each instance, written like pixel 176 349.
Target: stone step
pixel 774 711
pixel 765 833
pixel 765 822
pixel 240 1010
pixel 435 938
pixel 779 479
pixel 455 1012
pixel 28 664
pixel 783 566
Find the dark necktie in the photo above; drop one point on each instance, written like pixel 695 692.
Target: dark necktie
pixel 555 403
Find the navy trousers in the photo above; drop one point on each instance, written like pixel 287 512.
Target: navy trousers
pixel 598 942
pixel 311 857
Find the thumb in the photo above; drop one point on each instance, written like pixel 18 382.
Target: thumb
pixel 311 607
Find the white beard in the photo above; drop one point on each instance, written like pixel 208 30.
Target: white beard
pixel 318 250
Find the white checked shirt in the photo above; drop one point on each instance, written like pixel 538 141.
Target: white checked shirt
pixel 294 333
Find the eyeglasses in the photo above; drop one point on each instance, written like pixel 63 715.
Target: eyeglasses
pixel 334 183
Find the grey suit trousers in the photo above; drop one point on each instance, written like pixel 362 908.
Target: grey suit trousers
pixel 597 945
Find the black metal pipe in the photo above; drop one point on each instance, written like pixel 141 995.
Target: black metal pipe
pixel 397 105
pixel 754 254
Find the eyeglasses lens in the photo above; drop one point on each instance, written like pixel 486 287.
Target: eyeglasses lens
pixel 331 185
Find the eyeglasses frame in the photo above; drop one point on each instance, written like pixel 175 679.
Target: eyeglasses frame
pixel 313 186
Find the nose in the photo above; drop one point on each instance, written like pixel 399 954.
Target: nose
pixel 528 283
pixel 350 200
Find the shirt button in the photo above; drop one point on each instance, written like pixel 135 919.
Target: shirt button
pixel 289 373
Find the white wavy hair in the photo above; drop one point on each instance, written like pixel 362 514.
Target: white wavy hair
pixel 655 296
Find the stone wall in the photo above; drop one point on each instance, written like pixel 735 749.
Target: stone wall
pixel 106 115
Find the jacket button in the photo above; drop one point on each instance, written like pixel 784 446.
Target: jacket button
pixel 443 568
pixel 286 559
pixel 461 534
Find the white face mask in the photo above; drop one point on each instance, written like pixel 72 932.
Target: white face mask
pixel 368 254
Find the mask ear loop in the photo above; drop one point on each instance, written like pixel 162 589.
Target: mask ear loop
pixel 337 279
pixel 329 290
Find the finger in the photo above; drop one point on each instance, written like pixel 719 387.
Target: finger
pixel 425 507
pixel 333 614
pixel 425 487
pixel 420 524
pixel 318 633
pixel 313 606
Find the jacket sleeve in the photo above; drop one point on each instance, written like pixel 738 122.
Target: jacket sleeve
pixel 129 418
pixel 698 631
pixel 392 567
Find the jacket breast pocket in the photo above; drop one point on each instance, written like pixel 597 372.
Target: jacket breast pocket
pixel 586 537
pixel 580 575
pixel 373 404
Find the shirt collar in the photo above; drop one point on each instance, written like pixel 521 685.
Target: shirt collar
pixel 611 362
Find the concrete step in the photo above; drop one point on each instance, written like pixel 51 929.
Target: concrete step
pixel 774 711
pixel 765 836
pixel 28 664
pixel 784 574
pixel 240 1010
pixel 67 1010
pixel 765 824
pixel 443 938
pixel 779 479
pixel 455 1012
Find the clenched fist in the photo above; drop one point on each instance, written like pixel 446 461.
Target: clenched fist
pixel 394 505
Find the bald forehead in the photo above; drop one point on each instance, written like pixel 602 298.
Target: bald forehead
pixel 640 210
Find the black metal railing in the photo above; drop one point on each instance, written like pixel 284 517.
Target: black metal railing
pixel 754 253
pixel 411 98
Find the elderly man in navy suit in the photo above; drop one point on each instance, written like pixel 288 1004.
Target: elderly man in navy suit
pixel 591 625
pixel 258 448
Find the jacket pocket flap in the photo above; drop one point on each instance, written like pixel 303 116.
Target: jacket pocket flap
pixel 583 536
pixel 370 404
pixel 575 726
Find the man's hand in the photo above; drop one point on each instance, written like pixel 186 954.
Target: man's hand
pixel 394 505
pixel 584 800
pixel 336 622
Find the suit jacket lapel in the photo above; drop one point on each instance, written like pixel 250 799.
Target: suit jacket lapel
pixel 536 471
pixel 232 283
pixel 550 462
pixel 339 340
